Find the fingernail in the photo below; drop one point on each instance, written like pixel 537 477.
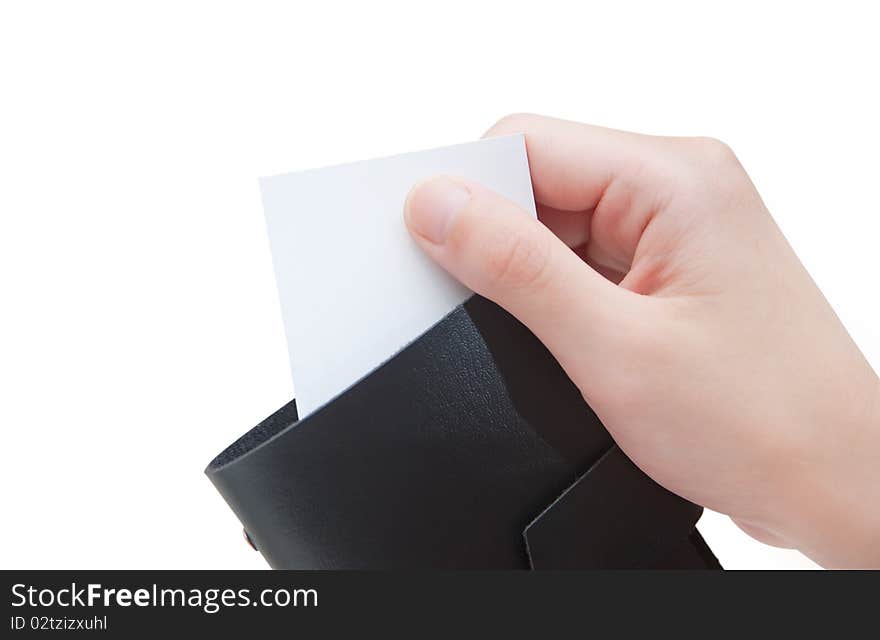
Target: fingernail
pixel 432 205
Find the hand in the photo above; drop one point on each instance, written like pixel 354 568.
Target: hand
pixel 659 281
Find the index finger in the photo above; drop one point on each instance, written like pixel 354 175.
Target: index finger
pixel 595 188
pixel 574 164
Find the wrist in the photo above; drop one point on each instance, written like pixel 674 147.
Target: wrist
pixel 832 508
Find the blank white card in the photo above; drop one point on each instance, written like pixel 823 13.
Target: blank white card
pixel 355 289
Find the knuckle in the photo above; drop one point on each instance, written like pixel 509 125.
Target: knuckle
pixel 518 261
pixel 513 123
pixel 710 168
pixel 714 152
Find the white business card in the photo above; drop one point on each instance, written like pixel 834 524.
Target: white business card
pixel 355 289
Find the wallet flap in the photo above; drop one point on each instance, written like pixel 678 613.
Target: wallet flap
pixel 634 525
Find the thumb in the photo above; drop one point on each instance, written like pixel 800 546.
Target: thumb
pixel 501 252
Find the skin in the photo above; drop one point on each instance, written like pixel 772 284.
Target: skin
pixel 659 280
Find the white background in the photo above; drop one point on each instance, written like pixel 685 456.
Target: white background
pixel 141 331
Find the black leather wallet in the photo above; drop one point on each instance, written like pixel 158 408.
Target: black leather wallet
pixel 469 449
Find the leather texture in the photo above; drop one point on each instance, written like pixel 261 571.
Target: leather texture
pixel 469 449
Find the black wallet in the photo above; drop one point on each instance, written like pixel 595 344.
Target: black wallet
pixel 468 449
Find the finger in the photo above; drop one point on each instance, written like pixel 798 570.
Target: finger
pixel 616 177
pixel 571 163
pixel 501 252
